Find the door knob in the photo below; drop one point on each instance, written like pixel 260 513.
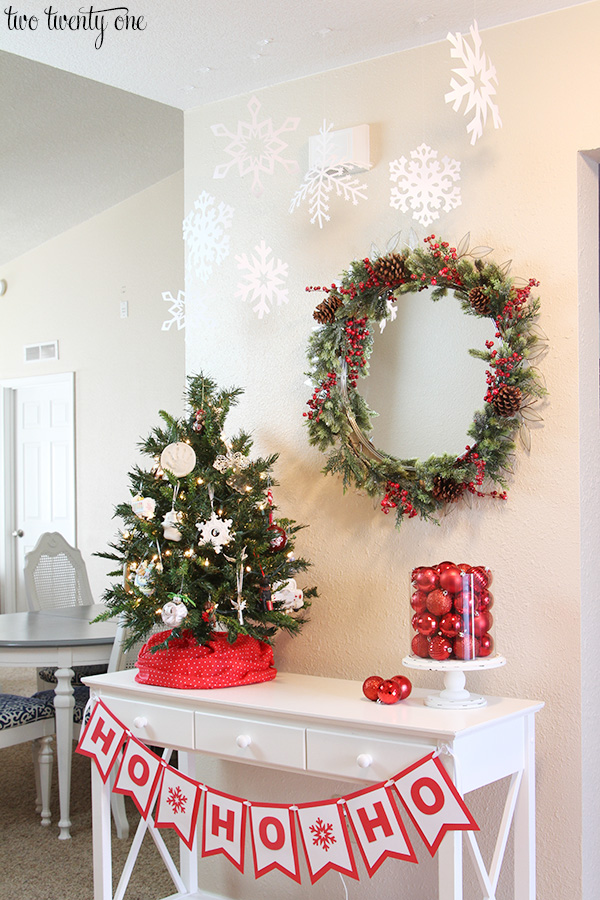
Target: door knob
pixel 18 533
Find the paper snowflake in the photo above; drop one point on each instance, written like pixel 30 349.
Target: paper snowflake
pixel 204 234
pixel 176 799
pixel 176 310
pixel 424 184
pixel 478 79
pixel 323 834
pixel 328 175
pixel 255 147
pixel 263 284
pixel 215 531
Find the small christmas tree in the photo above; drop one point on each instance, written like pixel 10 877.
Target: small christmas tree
pixel 199 548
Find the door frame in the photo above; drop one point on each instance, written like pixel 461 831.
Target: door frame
pixel 8 506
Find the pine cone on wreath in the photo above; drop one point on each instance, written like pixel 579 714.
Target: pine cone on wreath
pixel 479 301
pixel 508 400
pixel 446 490
pixel 390 269
pixel 325 311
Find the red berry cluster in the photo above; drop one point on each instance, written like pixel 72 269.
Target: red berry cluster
pixel 451 611
pixel 395 497
pixel 320 394
pixel 502 368
pixel 442 250
pixel 513 308
pixel 356 335
pixel 387 690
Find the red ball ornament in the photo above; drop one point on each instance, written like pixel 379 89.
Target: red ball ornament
pixel 463 568
pixel 404 685
pixel 371 686
pixel 388 692
pixel 479 578
pixel 485 573
pixel 451 580
pixel 482 622
pixel 426 624
pixel 465 647
pixel 440 647
pixel 465 603
pixel 279 539
pixel 418 601
pixel 426 578
pixel 450 625
pixel 420 646
pixel 485 601
pixel 486 645
pixel 438 602
pixel 443 565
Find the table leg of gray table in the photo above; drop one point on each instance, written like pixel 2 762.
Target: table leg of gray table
pixel 63 705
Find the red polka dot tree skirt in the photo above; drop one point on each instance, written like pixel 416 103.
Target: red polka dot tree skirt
pixel 216 664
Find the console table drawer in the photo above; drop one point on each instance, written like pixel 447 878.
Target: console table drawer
pixel 155 724
pixel 360 758
pixel 251 740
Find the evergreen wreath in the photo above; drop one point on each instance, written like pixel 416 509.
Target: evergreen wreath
pixel 339 419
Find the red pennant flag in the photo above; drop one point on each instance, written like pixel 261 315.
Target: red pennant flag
pixel 138 775
pixel 101 739
pixel 325 839
pixel 432 801
pixel 378 828
pixel 274 840
pixel 178 804
pixel 224 827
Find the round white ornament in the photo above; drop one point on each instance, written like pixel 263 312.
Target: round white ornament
pixel 178 458
pixel 174 612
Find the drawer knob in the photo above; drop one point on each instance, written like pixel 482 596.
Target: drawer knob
pixel 364 760
pixel 243 741
pixel 140 722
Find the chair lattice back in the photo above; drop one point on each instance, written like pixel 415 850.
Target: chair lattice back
pixel 55 575
pixel 121 658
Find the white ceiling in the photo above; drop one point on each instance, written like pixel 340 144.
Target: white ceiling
pixel 82 128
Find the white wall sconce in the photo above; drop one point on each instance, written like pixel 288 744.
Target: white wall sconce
pixel 3 287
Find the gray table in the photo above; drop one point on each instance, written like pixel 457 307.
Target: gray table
pixel 63 638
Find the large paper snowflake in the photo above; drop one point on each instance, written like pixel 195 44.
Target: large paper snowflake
pixel 478 79
pixel 255 147
pixel 176 799
pixel 424 184
pixel 204 234
pixel 323 834
pixel 264 280
pixel 328 175
pixel 176 310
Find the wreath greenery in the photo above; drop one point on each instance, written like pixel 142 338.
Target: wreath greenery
pixel 339 419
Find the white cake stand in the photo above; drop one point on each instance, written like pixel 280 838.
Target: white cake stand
pixel 454 695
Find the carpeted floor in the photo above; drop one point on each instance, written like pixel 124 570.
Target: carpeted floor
pixel 34 864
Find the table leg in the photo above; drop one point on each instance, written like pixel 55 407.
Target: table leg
pixel 524 820
pixel 63 706
pixel 450 867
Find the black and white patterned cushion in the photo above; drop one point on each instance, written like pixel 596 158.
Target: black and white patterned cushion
pixel 80 693
pixel 80 672
pixel 17 710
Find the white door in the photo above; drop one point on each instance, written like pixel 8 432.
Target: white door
pixel 39 470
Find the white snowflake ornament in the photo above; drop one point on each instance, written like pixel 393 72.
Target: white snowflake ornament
pixel 328 175
pixel 215 531
pixel 425 184
pixel 204 234
pixel 478 83
pixel 255 147
pixel 176 310
pixel 174 612
pixel 288 595
pixel 264 280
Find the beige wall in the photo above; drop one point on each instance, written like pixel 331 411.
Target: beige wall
pixel 519 196
pixel 70 289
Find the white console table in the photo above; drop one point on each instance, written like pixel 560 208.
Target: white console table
pixel 325 727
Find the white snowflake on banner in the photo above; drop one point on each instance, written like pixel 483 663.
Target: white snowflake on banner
pixel 478 79
pixel 424 184
pixel 177 800
pixel 176 310
pixel 328 175
pixel 264 280
pixel 255 147
pixel 204 234
pixel 323 834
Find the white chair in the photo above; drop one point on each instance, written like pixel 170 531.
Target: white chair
pixel 24 719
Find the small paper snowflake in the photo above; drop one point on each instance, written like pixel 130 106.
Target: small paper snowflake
pixel 323 834
pixel 231 460
pixel 204 234
pixel 215 531
pixel 255 147
pixel 176 310
pixel 263 281
pixel 424 184
pixel 327 175
pixel 176 799
pixel 478 79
